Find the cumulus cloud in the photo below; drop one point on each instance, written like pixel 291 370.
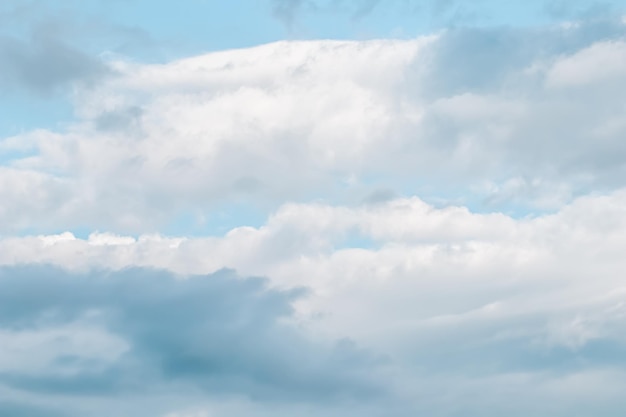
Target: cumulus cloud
pixel 411 309
pixel 457 303
pixel 140 331
pixel 482 110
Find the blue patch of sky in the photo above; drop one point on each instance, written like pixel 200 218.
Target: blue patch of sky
pixel 355 239
pixel 214 222
pixel 22 112
pixel 409 19
pixel 217 221
pixel 481 202
pixel 194 26
pixel 441 193
pixel 80 232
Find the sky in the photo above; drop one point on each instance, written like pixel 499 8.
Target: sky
pixel 312 208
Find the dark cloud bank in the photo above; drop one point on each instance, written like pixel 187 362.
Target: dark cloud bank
pixel 221 334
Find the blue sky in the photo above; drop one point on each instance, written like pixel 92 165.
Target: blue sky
pixel 312 208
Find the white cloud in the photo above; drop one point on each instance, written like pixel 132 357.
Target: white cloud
pixel 463 305
pixel 603 62
pixel 454 299
pixel 296 121
pixel 425 265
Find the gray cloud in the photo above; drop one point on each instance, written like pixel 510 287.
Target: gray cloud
pixel 21 410
pixel 218 333
pixel 45 46
pixel 441 13
pixel 534 316
pixel 119 120
pixel 491 59
pixel 287 10
pixel 45 63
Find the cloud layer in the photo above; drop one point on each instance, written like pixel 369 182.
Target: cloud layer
pixel 436 299
pixel 484 111
pixel 139 331
pixel 439 223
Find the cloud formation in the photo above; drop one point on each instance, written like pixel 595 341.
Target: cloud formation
pixel 138 331
pixel 45 64
pixel 451 305
pixel 483 110
pixel 40 52
pixel 441 228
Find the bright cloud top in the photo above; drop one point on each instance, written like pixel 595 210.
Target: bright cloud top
pixel 483 111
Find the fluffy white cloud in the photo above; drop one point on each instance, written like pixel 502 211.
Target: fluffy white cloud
pixel 603 62
pixel 450 306
pixel 433 265
pixel 458 303
pixel 326 120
